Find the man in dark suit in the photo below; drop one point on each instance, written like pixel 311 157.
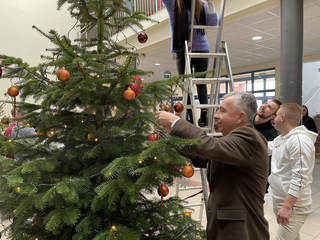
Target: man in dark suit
pixel 237 168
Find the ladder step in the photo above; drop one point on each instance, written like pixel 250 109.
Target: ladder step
pixel 201 106
pixel 209 80
pixel 193 205
pixel 216 134
pixel 209 27
pixel 206 128
pixel 189 188
pixel 205 55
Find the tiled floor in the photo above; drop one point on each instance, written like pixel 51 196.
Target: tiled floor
pixel 309 231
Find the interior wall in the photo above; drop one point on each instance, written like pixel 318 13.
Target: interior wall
pixel 19 39
pixel 311 87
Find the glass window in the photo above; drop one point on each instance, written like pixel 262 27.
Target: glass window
pixel 270 94
pixel 239 86
pixel 259 102
pixel 258 84
pixel 261 83
pixel 260 94
pixel 270 83
pixel 222 88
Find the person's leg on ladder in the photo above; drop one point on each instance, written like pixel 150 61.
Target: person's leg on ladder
pixel 201 65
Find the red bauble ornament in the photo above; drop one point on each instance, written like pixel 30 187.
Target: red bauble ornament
pixel 13 91
pixel 167 107
pixel 0 71
pixel 187 171
pixel 135 87
pixel 8 155
pixel 63 75
pixel 142 85
pixel 142 37
pixel 5 120
pixel 153 137
pixel 163 190
pixel 137 78
pixel 178 107
pixel 129 94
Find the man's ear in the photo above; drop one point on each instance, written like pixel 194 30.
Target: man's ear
pixel 242 117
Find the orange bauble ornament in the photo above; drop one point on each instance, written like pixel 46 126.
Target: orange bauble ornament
pixel 63 75
pixel 187 171
pixel 129 94
pixel 13 91
pixel 187 214
pixel 5 120
pixel 163 190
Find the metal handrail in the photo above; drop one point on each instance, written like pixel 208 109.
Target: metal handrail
pixel 149 7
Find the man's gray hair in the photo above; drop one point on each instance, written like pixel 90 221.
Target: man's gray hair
pixel 245 102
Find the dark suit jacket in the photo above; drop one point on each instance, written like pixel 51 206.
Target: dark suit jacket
pixel 237 174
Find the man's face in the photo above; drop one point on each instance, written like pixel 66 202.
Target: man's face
pixel 268 110
pixel 278 120
pixel 227 117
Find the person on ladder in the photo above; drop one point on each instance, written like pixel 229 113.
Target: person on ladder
pixel 180 19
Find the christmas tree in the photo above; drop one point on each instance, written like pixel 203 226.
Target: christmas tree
pixel 95 169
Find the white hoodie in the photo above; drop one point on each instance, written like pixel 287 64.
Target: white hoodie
pixel 292 163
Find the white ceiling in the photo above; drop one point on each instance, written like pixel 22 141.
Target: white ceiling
pixel 243 51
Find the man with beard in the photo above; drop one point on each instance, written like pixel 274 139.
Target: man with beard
pixel 262 122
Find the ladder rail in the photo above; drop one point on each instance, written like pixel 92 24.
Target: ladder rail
pixel 220 56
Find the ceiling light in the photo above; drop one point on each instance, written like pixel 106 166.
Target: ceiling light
pixel 255 38
pixel 157 64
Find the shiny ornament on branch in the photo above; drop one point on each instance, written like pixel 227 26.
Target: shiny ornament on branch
pixel 187 171
pixel 5 120
pixel 129 94
pixel 153 137
pixel 135 87
pixel 13 91
pixel 163 190
pixel 63 75
pixel 137 78
pixel 116 3
pixel 187 214
pixel 91 137
pixel 142 37
pixel 39 133
pixel 178 107
pixel 167 107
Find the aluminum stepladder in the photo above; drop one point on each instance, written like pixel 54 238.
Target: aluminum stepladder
pixel 219 56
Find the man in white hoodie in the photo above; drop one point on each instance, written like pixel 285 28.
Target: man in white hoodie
pixel 293 157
